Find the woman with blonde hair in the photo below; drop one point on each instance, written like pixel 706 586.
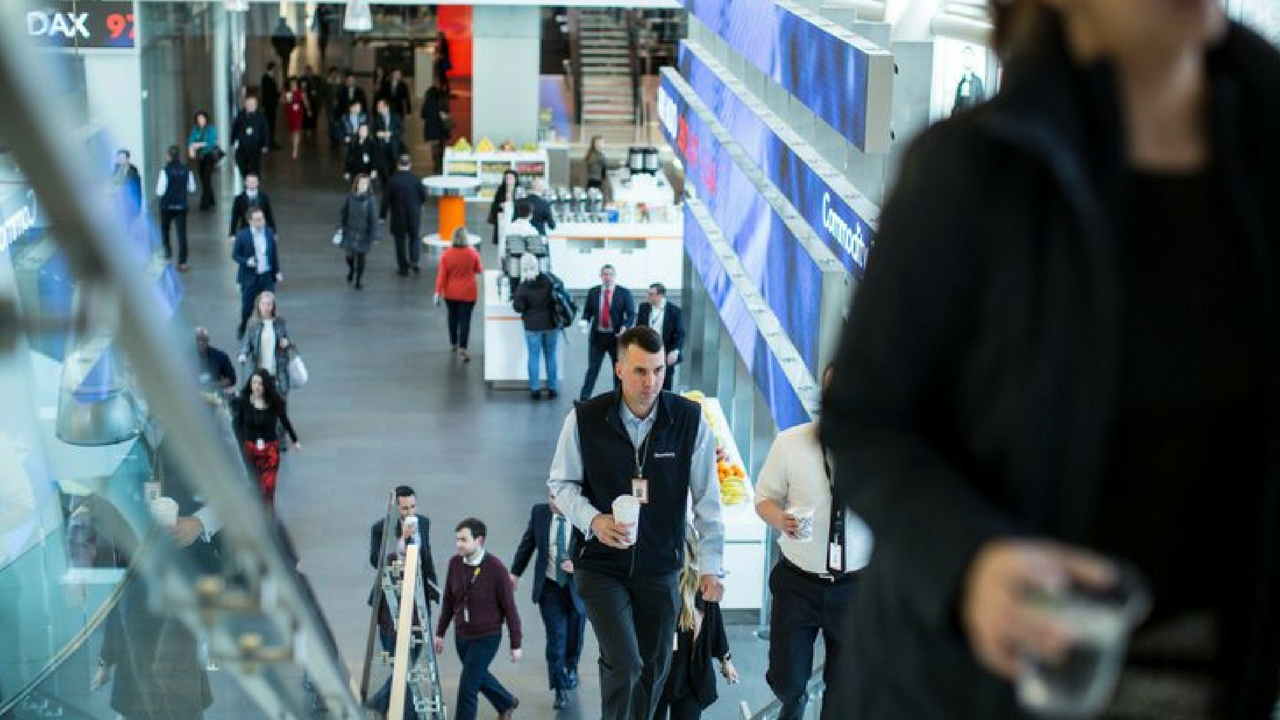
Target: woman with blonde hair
pixel 456 283
pixel 700 638
pixel 266 345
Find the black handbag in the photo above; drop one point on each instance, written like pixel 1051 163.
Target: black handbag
pixel 217 153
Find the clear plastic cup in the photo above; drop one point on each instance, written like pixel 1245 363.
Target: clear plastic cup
pixel 1099 625
pixel 164 510
pixel 804 515
pixel 626 511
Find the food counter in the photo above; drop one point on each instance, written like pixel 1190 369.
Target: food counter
pixel 643 253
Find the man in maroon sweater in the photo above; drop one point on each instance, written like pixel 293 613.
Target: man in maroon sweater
pixel 478 599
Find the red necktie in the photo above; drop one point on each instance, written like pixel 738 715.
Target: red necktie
pixel 606 322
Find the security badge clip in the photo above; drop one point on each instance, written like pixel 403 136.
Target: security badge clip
pixel 640 490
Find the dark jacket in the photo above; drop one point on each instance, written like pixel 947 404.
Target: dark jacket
pixel 622 308
pixel 359 222
pixel 349 126
pixel 249 131
pixel 393 146
pixel 240 211
pixel 270 94
pixel 672 329
pixel 242 252
pixel 402 202
pixel 364 157
pixel 348 96
pixel 537 537
pixel 218 366
pixel 541 219
pixel 608 465
pixel 692 670
pixel 534 301
pixel 426 567
pixel 433 105
pixel 398 97
pixel 976 383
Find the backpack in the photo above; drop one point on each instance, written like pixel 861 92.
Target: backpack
pixel 563 308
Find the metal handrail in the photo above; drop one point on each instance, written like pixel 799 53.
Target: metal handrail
pixel 72 198
pixel 575 62
pixel 633 55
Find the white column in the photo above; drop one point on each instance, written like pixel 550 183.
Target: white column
pixel 506 56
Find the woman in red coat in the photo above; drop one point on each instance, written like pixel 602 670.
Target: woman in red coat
pixel 296 108
pixel 456 283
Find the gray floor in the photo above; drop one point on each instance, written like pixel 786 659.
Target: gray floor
pixel 388 404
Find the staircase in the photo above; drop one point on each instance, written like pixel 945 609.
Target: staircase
pixel 605 52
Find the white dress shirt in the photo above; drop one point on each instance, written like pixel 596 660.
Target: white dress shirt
pixel 162 184
pixel 566 483
pixel 260 252
pixel 556 559
pixel 794 476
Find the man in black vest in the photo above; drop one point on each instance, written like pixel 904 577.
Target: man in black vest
pixel 403 202
pixel 655 447
pixel 172 187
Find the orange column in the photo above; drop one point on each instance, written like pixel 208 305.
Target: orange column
pixel 453 215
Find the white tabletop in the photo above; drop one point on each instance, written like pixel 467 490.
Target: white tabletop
pixel 450 185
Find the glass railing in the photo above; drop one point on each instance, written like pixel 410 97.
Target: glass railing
pixel 140 573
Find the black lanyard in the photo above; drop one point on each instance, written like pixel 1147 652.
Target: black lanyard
pixel 836 525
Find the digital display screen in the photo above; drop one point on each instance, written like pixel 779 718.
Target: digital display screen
pixel 82 24
pixel 826 210
pixel 790 49
pixel 783 271
pixel 780 397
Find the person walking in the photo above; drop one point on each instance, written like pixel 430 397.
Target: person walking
pixel 412 528
pixel 814 582
pixel 655 448
pixel 313 89
pixel 202 146
pixel 540 216
pixel 388 131
pixel 364 157
pixel 126 187
pixel 551 539
pixel 253 197
pixel 608 312
pixel 665 317
pixel 398 95
pixel 358 222
pixel 477 600
pixel 597 165
pixel 284 41
pixel 270 102
pixel 335 106
pixel 1125 170
pixel 259 414
pixel 456 284
pixel 403 203
pixel 266 344
pixel 435 125
pixel 534 299
pixel 215 368
pixel 254 251
pixel 296 109
pixel 174 183
pixel 700 638
pixel 249 137
pixel 502 208
pixel 444 62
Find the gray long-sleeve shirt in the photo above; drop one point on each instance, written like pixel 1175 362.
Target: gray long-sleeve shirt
pixel 566 480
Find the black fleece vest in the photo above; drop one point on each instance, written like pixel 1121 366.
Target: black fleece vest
pixel 608 465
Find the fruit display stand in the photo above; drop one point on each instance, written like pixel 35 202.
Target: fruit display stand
pixel 745 532
pixel 488 168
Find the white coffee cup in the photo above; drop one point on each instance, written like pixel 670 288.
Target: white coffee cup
pixel 626 511
pixel 164 510
pixel 804 515
pixel 411 523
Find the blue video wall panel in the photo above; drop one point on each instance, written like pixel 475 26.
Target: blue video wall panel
pixel 784 405
pixel 781 268
pixel 828 212
pixel 791 50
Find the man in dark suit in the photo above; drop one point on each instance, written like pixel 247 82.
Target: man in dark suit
pixel 403 202
pixel 406 532
pixel 350 95
pixel 608 312
pixel 398 95
pixel 270 101
pixel 216 370
pixel 541 218
pixel 254 250
pixel 252 197
pixel 249 136
pixel 666 318
pixel 554 592
pixel 388 129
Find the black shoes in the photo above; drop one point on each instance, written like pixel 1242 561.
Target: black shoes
pixel 351 275
pixel 416 269
pixel 402 272
pixel 511 711
pixel 562 699
pixel 535 394
pixel 552 394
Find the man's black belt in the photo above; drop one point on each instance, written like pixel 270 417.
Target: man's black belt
pixel 823 578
